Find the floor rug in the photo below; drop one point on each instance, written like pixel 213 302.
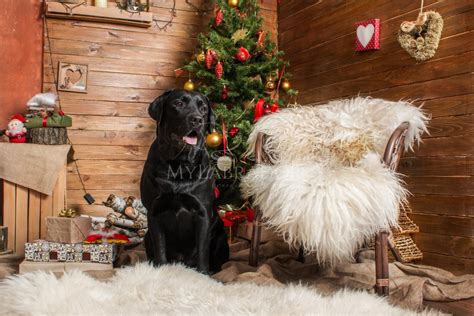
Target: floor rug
pixel 174 290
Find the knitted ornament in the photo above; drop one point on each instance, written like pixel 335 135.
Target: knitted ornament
pixel 219 70
pixel 242 54
pixel 219 17
pixel 209 59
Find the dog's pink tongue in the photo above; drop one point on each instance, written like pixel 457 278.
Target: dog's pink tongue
pixel 191 140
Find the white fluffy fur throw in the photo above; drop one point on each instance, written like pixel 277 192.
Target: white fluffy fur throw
pixel 174 290
pixel 328 189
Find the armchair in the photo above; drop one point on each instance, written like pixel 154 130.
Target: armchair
pixel 361 186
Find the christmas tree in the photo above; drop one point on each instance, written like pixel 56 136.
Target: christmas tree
pixel 241 71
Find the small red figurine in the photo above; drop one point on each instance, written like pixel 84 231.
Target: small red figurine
pixel 16 131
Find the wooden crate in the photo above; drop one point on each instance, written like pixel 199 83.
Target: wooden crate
pixel 24 211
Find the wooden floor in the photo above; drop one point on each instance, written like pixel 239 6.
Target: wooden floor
pixel 457 308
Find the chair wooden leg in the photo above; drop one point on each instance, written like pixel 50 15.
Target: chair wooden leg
pixel 381 264
pixel 301 255
pixel 255 241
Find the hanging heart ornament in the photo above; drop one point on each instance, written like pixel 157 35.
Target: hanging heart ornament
pixel 420 38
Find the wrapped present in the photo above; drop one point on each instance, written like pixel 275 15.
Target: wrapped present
pixel 52 120
pixel 58 267
pixel 45 251
pixel 68 229
pixel 231 220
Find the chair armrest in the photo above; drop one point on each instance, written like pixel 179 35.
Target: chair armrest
pixel 260 156
pixel 395 146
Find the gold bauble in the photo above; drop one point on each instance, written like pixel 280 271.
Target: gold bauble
pixel 214 139
pixel 285 85
pixel 189 85
pixel 233 3
pixel 270 86
pixel 200 57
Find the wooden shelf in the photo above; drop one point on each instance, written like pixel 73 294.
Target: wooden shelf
pixel 96 14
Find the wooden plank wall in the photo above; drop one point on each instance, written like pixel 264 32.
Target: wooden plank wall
pixel 128 68
pixel 318 38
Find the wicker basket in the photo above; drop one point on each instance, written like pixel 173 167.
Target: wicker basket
pixel 48 135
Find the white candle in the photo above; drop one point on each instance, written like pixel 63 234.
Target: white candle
pixel 101 3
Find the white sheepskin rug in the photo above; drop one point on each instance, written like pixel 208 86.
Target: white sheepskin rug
pixel 327 188
pixel 174 290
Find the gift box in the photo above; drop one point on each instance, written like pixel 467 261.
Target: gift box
pixel 45 251
pixel 58 267
pixel 53 120
pixel 69 230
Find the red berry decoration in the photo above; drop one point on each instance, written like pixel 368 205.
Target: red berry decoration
pixel 224 93
pixel 274 107
pixel 233 131
pixel 242 55
pixel 219 17
pixel 219 70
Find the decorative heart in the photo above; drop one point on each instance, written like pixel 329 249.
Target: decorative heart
pixel 74 75
pixel 421 38
pixel 365 33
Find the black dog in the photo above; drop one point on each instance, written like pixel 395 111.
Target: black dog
pixel 177 186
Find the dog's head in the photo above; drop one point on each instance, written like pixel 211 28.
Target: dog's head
pixel 183 118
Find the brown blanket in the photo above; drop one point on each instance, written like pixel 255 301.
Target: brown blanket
pixel 410 284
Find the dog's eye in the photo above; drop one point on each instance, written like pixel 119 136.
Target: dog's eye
pixel 179 104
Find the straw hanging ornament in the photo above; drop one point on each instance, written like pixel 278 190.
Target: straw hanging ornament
pixel 420 38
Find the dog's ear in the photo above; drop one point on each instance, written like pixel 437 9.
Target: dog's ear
pixel 211 119
pixel 155 109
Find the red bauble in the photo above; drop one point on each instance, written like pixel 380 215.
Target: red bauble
pixel 243 54
pixel 274 107
pixel 219 17
pixel 233 131
pixel 266 109
pixel 219 70
pixel 224 93
pixel 259 110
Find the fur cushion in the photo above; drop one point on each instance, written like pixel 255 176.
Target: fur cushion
pixel 328 189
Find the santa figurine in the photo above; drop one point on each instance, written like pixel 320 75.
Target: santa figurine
pixel 16 130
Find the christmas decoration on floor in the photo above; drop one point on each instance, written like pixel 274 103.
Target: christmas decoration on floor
pixel 237 66
pixel 127 224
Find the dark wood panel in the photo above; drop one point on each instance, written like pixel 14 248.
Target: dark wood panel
pixel 441 185
pixel 456 265
pixel 454 205
pixel 456 105
pixel 446 245
pixel 444 146
pixel 444 225
pixel 437 166
pixel 405 74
